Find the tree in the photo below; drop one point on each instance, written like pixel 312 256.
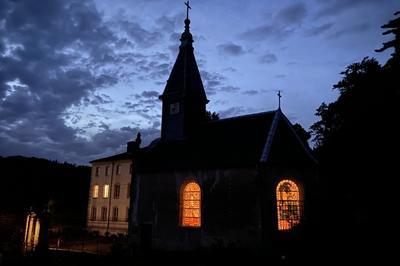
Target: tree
pixel 210 116
pixel 356 139
pixel 394 28
pixel 302 133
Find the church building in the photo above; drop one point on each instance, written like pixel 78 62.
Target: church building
pixel 244 181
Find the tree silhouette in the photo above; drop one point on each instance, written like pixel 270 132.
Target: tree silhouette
pixel 394 28
pixel 210 116
pixel 302 133
pixel 356 141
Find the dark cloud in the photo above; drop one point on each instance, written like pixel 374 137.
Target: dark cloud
pixel 170 23
pixel 101 99
pixel 335 7
pixel 230 89
pixel 349 30
pixel 292 14
pixel 234 111
pixel 212 81
pixel 150 94
pixel 141 36
pixel 251 92
pixel 315 31
pixel 230 49
pixel 268 58
pixel 57 57
pixel 282 25
pixel 266 32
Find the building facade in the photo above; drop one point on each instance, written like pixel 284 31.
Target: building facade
pixel 108 208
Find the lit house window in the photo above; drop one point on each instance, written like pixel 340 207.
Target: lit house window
pixel 103 213
pixel 115 214
pixel 118 169
pixel 93 214
pixel 190 203
pixel 95 191
pixel 106 191
pixel 288 204
pixel 117 189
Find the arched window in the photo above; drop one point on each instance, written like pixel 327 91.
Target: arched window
pixel 288 204
pixel 190 205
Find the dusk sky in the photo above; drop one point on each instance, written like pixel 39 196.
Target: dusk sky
pixel 79 78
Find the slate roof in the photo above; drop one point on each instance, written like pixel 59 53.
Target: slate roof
pixel 240 141
pixel 185 78
pixel 117 157
pixel 231 142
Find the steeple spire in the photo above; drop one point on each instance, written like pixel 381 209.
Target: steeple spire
pixel 184 99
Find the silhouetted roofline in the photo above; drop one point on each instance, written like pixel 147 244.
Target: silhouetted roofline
pixel 240 117
pixel 117 157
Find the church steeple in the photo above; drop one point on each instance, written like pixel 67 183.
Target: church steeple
pixel 184 99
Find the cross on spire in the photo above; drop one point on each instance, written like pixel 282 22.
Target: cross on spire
pixel 187 9
pixel 279 99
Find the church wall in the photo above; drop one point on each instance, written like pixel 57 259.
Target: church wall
pixel 230 208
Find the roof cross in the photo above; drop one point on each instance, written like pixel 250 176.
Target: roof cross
pixel 187 9
pixel 279 98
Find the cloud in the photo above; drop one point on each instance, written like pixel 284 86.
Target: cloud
pixel 268 58
pixel 231 89
pixel 251 92
pixel 212 81
pixel 230 49
pixel 283 24
pixel 235 111
pixel 336 7
pixel 315 31
pixel 54 56
pixel 353 29
pixel 266 32
pixel 292 14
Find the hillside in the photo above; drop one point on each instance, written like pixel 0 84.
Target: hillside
pixel 33 182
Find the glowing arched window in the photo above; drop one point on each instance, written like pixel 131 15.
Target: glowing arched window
pixel 288 204
pixel 190 205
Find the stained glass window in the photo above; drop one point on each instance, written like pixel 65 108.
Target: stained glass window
pixel 191 205
pixel 288 204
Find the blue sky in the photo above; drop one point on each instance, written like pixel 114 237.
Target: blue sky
pixel 78 79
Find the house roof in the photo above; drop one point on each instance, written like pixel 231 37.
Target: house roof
pixel 117 157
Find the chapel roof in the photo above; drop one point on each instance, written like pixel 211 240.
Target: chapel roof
pixel 231 142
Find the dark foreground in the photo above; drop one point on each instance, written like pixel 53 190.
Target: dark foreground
pixel 67 258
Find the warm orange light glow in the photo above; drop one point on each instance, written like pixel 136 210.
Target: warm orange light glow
pixel 106 192
pixel 288 204
pixel 191 205
pixel 32 230
pixel 96 191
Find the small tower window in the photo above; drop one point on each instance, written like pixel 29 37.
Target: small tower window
pixel 174 108
pixel 288 204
